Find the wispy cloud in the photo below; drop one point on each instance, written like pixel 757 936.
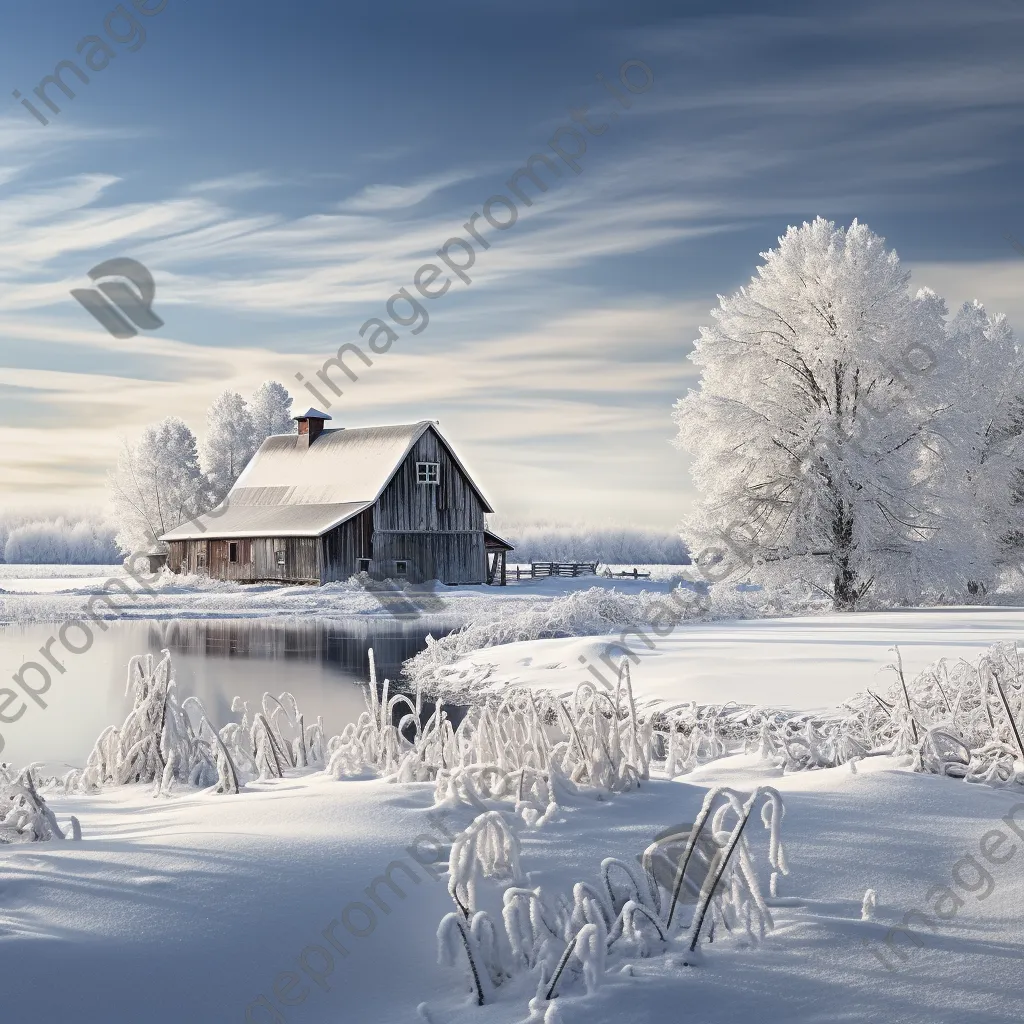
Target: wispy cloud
pixel 376 198
pixel 243 181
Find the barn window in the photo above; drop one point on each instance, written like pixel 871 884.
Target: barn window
pixel 401 568
pixel 280 556
pixel 233 551
pixel 364 565
pixel 427 472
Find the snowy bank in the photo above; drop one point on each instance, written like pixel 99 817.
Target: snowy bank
pixel 797 663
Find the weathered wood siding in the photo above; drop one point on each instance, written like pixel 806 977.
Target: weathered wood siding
pixel 188 556
pixel 176 555
pixel 301 559
pixel 448 557
pixel 222 568
pixel 257 559
pixel 437 528
pixel 342 547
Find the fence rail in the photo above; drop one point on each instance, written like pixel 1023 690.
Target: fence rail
pixel 539 570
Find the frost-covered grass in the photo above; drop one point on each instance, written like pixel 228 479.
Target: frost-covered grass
pixel 26 816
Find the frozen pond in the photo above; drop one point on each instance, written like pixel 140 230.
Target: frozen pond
pixel 322 662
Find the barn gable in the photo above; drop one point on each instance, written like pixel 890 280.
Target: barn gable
pixel 435 528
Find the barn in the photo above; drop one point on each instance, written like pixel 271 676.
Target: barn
pixel 323 504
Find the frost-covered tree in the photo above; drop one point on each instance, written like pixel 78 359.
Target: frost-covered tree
pixel 157 484
pixel 230 442
pixel 271 411
pixel 986 425
pixel 824 388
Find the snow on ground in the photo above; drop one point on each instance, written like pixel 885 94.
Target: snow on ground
pixel 48 598
pixel 31 571
pixel 194 907
pixel 806 663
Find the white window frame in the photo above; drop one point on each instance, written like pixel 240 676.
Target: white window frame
pixel 428 473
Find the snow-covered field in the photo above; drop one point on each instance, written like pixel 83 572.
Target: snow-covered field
pixel 803 662
pixel 227 896
pixel 273 905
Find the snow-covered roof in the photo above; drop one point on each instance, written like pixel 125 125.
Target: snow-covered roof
pixel 281 520
pixel 289 490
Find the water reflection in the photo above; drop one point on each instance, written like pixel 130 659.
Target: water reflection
pixel 324 663
pixel 344 643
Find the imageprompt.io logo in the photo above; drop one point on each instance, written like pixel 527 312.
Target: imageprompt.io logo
pixel 122 309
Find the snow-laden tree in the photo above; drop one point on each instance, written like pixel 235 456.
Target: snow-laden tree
pixel 816 429
pixel 986 422
pixel 157 484
pixel 271 411
pixel 230 442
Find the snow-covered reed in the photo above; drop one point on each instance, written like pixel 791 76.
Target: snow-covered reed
pixel 524 748
pixel 26 817
pixel 558 941
pixel 961 719
pixel 160 743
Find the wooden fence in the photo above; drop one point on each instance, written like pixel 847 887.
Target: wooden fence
pixel 538 570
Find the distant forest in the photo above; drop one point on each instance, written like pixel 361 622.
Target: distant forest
pixel 70 539
pixel 587 542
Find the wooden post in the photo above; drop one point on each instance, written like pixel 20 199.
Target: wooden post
pixel 503 554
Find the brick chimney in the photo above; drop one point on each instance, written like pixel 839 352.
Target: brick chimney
pixel 310 426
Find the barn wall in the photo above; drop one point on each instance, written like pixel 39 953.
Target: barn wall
pixel 221 568
pixel 437 528
pixel 188 556
pixel 176 555
pixel 342 547
pixel 257 559
pixel 301 559
pixel 448 557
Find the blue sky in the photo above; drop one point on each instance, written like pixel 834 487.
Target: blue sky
pixel 283 169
